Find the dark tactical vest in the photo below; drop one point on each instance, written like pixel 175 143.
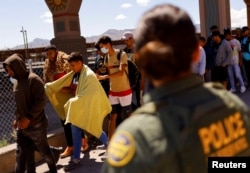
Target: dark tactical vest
pixel 199 128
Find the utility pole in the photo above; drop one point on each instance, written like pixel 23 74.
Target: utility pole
pixel 25 40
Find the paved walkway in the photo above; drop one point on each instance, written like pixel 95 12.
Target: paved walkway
pixel 92 161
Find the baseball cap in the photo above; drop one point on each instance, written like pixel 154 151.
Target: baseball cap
pixel 245 28
pixel 227 30
pixel 127 35
pixel 215 33
pixel 50 47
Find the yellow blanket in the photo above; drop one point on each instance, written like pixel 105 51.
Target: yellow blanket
pixel 87 108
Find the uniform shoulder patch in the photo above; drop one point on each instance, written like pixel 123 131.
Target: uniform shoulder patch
pixel 121 149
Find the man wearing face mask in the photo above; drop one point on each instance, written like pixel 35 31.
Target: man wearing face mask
pixel 101 69
pixel 30 121
pixel 120 93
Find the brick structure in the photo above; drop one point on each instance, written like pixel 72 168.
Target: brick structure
pixel 67 26
pixel 214 12
pixel 247 2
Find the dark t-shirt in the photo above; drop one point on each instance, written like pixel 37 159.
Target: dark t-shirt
pixel 75 82
pixel 101 69
pixel 209 57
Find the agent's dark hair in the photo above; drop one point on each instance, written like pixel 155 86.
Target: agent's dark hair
pixel 104 40
pixel 165 40
pixel 75 56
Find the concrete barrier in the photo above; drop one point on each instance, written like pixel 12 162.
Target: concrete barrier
pixel 7 154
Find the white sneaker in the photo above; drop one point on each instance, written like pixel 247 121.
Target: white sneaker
pixel 232 90
pixel 101 147
pixel 105 155
pixel 242 89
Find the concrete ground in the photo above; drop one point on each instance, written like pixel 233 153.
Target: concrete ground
pixel 93 159
pixel 91 163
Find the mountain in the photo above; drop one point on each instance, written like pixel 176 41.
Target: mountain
pixel 114 34
pixel 37 42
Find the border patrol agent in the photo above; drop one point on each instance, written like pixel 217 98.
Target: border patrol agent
pixel 183 121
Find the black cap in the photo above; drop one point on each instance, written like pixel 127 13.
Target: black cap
pixel 50 47
pixel 227 31
pixel 215 33
pixel 243 29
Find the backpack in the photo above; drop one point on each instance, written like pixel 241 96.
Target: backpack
pixel 100 66
pixel 133 73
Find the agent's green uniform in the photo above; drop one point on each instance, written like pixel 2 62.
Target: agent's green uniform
pixel 180 125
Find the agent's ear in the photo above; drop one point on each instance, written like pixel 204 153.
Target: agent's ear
pixel 196 54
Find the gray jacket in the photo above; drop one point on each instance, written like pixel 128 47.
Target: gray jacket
pixel 224 54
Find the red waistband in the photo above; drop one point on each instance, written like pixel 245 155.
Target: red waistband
pixel 121 93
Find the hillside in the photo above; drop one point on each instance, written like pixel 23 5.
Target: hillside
pixel 113 33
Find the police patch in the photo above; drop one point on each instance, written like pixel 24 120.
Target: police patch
pixel 121 149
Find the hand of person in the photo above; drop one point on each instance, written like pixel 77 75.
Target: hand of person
pixel 23 123
pixel 240 63
pixel 14 124
pixel 66 90
pixel 206 71
pixel 101 77
pixel 141 97
pixel 97 76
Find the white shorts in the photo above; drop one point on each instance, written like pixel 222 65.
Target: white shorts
pixel 122 100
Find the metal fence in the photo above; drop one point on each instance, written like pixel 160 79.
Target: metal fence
pixel 7 105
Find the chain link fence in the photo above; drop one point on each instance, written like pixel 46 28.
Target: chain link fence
pixel 7 105
pixel 7 102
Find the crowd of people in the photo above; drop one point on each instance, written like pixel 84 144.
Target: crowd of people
pixel 226 58
pixel 158 125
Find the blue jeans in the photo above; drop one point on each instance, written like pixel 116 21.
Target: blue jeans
pixel 77 140
pixel 234 71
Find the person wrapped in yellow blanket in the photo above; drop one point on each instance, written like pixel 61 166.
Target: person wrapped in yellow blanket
pixel 79 98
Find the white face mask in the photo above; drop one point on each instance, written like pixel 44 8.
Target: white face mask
pixel 104 50
pixel 13 80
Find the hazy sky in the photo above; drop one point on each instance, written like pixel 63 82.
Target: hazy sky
pixel 96 17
